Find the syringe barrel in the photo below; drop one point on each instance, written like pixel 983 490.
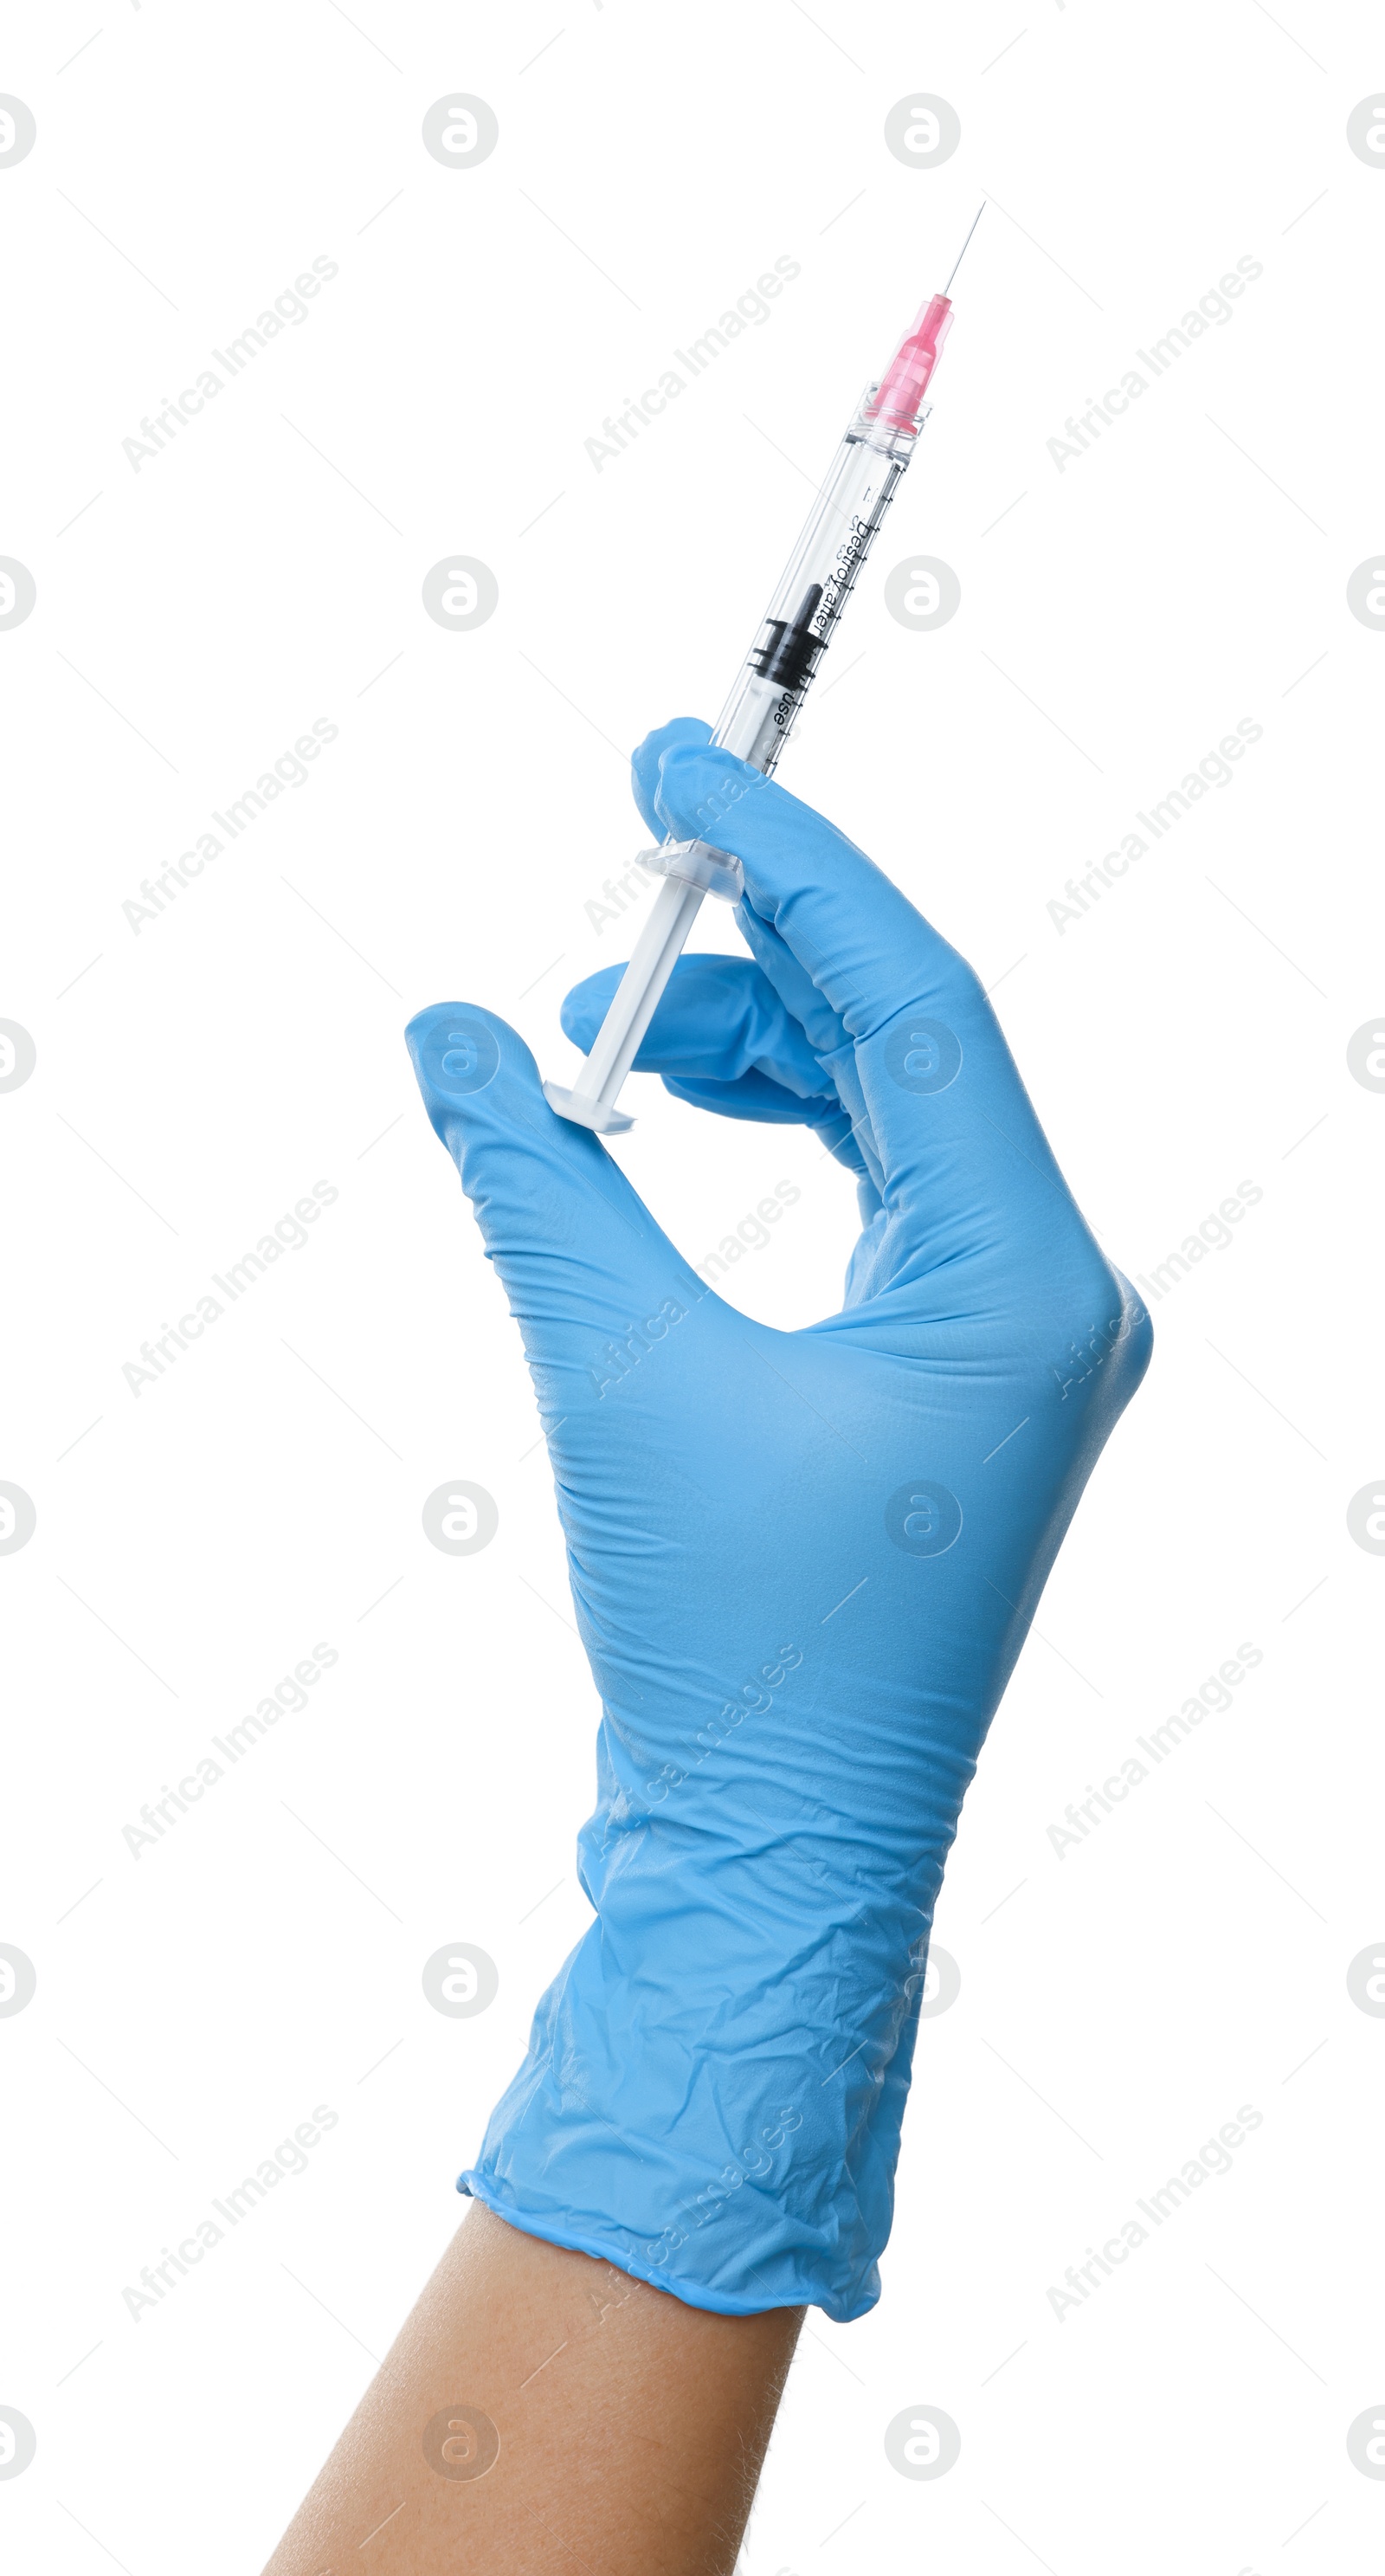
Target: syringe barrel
pixel 774 680
pixel 801 619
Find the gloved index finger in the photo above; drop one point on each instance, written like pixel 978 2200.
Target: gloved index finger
pixel 865 948
pixel 924 1055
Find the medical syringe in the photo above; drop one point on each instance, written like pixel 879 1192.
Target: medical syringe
pixel 759 714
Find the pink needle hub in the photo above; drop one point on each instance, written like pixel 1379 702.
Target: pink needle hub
pixel 899 394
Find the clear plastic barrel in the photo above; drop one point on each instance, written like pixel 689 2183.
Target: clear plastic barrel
pixel 758 716
pixel 842 527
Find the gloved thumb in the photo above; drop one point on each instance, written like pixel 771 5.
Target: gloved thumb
pixel 582 1260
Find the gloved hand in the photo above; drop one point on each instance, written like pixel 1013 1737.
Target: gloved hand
pixel 803 1564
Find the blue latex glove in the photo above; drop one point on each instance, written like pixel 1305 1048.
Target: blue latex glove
pixel 803 1564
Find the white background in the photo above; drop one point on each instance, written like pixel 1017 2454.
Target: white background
pixel 193 1080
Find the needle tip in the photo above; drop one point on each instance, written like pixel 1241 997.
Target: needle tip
pixel 976 218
